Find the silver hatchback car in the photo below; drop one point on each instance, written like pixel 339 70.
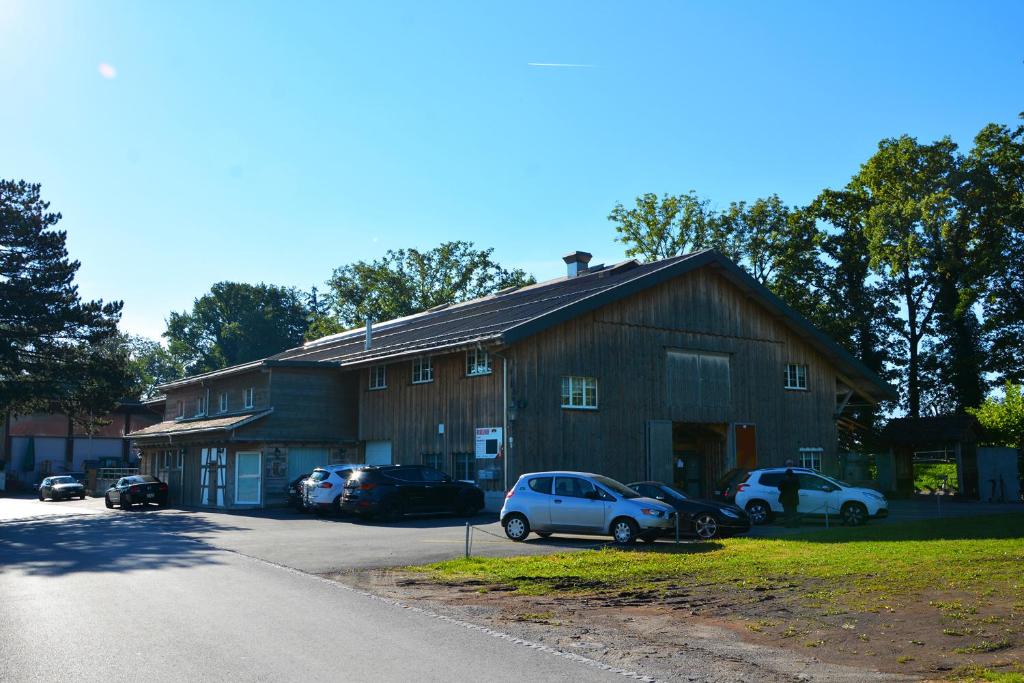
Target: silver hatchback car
pixel 582 503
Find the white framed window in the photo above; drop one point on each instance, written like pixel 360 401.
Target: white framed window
pixel 796 376
pixel 465 466
pixel 201 404
pixel 222 403
pixel 181 458
pixel 811 458
pixel 379 377
pixel 478 362
pixel 422 370
pixel 249 396
pixel 181 409
pixel 579 392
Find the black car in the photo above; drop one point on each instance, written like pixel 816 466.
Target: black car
pixel 63 487
pixel 391 491
pixel 140 489
pixel 704 518
pixel 725 487
pixel 294 491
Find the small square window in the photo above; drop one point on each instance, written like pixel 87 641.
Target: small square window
pixel 579 392
pixel 222 404
pixel 478 362
pixel 465 466
pixel 201 405
pixel 379 377
pixel 181 409
pixel 796 376
pixel 422 370
pixel 811 458
pixel 249 395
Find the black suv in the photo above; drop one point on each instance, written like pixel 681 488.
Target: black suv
pixel 391 491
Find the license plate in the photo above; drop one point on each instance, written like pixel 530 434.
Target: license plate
pixel 150 495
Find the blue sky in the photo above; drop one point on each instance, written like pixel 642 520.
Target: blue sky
pixel 273 142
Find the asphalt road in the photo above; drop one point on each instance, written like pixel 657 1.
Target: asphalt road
pixel 90 595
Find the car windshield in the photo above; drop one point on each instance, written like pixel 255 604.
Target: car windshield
pixel 616 487
pixel 63 480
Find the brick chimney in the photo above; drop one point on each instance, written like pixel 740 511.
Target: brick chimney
pixel 576 262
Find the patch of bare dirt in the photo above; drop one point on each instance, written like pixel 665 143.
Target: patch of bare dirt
pixel 708 633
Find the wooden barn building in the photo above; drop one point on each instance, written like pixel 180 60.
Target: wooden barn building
pixel 675 370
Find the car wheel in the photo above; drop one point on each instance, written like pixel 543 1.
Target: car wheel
pixel 854 514
pixel 81 497
pixel 336 505
pixel 705 526
pixel 543 534
pixel 106 501
pixel 517 527
pixel 625 531
pixel 759 512
pixel 126 502
pixel 42 497
pixel 465 508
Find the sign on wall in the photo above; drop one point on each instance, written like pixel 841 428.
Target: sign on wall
pixel 488 443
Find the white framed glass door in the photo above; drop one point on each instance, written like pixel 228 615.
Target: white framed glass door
pixel 248 478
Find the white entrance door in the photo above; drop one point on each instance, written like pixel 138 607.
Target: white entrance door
pixel 248 478
pixel 378 452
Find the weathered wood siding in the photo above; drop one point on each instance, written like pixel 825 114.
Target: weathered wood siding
pixel 235 387
pixel 310 404
pixel 408 414
pixel 627 347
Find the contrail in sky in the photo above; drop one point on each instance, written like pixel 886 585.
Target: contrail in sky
pixel 564 66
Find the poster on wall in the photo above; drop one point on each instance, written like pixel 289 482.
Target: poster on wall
pixel 488 453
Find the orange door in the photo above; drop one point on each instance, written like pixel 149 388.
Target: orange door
pixel 746 446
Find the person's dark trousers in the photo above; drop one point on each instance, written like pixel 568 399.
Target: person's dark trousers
pixel 792 516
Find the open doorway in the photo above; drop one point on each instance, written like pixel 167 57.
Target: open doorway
pixel 698 455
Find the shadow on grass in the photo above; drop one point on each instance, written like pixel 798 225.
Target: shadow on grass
pixel 55 546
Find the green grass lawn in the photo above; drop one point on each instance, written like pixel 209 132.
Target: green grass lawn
pixel 973 555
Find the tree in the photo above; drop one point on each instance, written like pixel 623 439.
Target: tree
pixel 1003 418
pixel 656 229
pixel 150 364
pixel 998 157
pixel 52 344
pixel 236 323
pixel 409 281
pixel 321 322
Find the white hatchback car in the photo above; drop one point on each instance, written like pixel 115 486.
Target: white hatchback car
pixel 321 491
pixel 819 495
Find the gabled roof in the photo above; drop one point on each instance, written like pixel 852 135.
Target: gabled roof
pixel 910 431
pixel 201 425
pixel 511 315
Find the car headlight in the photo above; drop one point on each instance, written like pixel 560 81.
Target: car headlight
pixel 653 512
pixel 729 513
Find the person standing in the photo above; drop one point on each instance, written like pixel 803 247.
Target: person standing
pixel 789 498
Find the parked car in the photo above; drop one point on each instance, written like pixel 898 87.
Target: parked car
pixel 140 489
pixel 294 490
pixel 321 491
pixel 391 491
pixel 63 487
pixel 704 518
pixel 725 487
pixel 582 503
pixel 819 494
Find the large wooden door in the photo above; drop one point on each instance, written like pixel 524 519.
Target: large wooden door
pixel 746 446
pixel 213 464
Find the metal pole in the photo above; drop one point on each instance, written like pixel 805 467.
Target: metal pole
pixel 677 527
pixel 467 540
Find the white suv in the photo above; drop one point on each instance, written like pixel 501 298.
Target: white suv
pixel 322 490
pixel 819 495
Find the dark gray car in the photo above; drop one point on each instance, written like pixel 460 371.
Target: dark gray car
pixel 64 487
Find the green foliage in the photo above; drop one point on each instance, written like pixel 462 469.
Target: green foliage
pixel 236 323
pixel 930 476
pixel 1003 418
pixel 150 364
pixel 54 347
pixel 656 229
pixel 408 281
